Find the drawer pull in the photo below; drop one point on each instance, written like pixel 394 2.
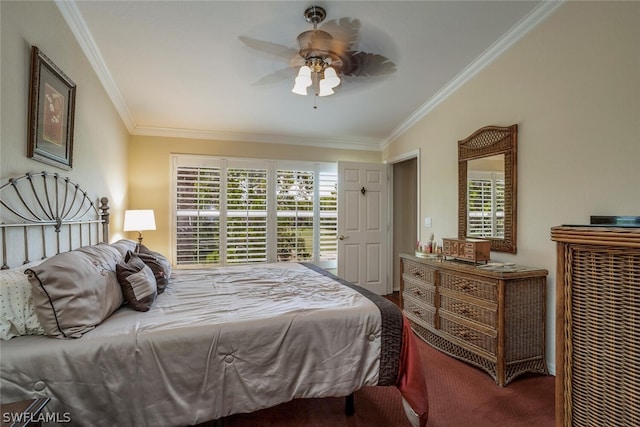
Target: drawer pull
pixel 418 291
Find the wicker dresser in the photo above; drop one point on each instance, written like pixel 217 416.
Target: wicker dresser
pixel 597 326
pixel 491 317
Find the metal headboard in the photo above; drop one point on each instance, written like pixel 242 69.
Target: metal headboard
pixel 43 214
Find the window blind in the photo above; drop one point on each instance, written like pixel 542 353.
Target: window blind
pixel 485 200
pixel 231 211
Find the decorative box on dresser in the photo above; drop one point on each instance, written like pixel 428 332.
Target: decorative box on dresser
pixel 490 316
pixel 597 326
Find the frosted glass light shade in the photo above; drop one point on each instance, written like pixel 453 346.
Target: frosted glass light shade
pixel 331 77
pixel 325 88
pixel 303 81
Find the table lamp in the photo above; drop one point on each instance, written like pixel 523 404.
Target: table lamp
pixel 139 220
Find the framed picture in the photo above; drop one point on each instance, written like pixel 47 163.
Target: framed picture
pixel 52 98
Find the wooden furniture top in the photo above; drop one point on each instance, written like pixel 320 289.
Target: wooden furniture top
pixel 597 235
pixel 493 270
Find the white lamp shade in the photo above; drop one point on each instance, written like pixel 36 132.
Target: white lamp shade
pixel 325 88
pixel 331 77
pixel 299 89
pixel 304 71
pixel 139 220
pixel 303 81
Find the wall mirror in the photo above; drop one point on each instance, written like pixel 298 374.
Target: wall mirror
pixel 487 186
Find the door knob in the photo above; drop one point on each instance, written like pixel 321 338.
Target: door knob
pixel 343 237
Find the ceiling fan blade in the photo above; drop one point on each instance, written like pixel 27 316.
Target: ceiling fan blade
pixel 367 64
pixel 275 77
pixel 269 47
pixel 345 31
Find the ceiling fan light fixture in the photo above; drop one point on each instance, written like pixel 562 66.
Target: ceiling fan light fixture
pixel 304 74
pixel 303 81
pixel 331 77
pixel 325 88
pixel 299 89
pixel 315 49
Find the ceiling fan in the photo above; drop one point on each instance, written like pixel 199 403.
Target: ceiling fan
pixel 324 54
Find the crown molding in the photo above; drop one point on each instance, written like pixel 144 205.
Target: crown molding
pixel 78 27
pixel 83 36
pixel 77 24
pixel 365 144
pixel 536 16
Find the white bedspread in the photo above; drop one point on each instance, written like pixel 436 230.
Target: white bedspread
pixel 217 342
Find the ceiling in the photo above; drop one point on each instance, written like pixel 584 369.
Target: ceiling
pixel 180 68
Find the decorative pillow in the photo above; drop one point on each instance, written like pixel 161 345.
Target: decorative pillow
pixel 75 291
pixel 17 311
pixel 137 282
pixel 158 263
pixel 124 245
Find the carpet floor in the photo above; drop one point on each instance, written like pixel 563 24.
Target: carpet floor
pixel 459 396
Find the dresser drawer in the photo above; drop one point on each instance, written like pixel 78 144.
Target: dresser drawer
pixel 483 340
pixel 469 250
pixel 492 319
pixel 418 312
pixel 419 290
pixel 477 313
pixel 469 286
pixel 416 271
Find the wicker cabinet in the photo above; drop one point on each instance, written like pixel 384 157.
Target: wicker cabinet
pixel 597 326
pixel 490 316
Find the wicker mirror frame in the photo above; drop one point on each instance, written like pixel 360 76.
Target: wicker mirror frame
pixel 486 142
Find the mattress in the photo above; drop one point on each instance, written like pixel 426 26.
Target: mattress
pixel 218 341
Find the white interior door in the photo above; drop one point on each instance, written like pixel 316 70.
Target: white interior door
pixel 362 225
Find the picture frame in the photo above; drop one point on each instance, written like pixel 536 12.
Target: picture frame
pixel 52 97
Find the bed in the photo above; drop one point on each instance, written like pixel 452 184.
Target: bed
pixel 114 336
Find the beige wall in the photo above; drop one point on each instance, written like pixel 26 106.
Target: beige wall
pixel 100 139
pixel 572 85
pixel 150 167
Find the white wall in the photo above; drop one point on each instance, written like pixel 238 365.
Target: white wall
pixel 572 84
pixel 100 139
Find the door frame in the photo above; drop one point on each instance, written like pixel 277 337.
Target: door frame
pixel 413 154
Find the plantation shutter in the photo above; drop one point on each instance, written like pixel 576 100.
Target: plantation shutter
pixel 197 215
pixel 499 193
pixel 294 204
pixel 328 221
pixel 485 199
pixel 246 215
pixel 231 211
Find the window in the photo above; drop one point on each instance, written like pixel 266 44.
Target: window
pixel 230 211
pixel 485 198
pixel 246 220
pixel 197 215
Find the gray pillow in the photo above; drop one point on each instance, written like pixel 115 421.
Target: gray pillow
pixel 123 246
pixel 137 282
pixel 75 291
pixel 158 263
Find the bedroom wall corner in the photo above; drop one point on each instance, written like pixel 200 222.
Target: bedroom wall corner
pixel 100 137
pixel 571 84
pixel 150 170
